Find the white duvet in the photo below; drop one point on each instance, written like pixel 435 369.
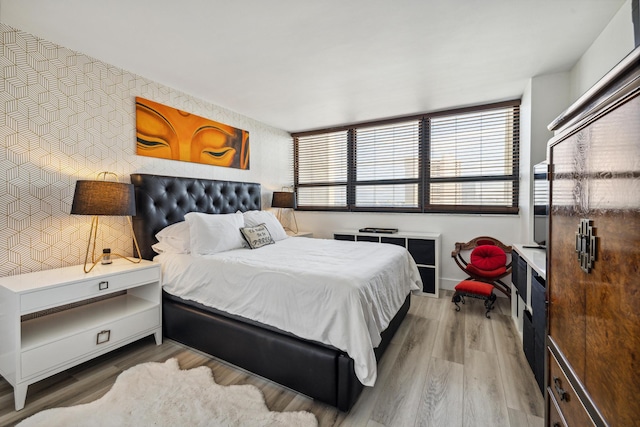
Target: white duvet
pixel 339 293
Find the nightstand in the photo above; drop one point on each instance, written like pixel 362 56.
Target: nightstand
pixel 299 234
pixel 54 319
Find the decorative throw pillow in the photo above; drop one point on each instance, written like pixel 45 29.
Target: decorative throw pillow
pixel 253 218
pixel 213 233
pixel 488 257
pixel 257 237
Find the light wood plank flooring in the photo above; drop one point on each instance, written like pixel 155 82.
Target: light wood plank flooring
pixel 443 368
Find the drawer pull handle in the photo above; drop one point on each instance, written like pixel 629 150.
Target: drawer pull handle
pixel 561 392
pixel 103 337
pixel 103 285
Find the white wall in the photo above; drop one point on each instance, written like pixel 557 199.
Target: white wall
pixel 544 98
pixel 550 96
pixel 611 46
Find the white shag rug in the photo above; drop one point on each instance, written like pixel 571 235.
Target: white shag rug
pixel 161 394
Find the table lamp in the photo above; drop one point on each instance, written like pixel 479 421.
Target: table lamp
pixel 104 198
pixel 285 200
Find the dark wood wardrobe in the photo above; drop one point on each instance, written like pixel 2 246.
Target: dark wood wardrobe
pixel 593 286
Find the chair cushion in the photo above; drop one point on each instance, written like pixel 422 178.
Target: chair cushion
pixel 488 274
pixel 488 257
pixel 474 287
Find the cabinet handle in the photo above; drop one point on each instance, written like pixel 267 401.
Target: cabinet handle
pixel 103 337
pixel 556 425
pixel 561 392
pixel 103 285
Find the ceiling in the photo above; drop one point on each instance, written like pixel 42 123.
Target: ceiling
pixel 300 65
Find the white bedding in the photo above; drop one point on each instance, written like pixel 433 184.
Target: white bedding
pixel 339 293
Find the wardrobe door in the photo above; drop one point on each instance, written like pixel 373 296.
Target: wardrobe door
pixel 612 287
pixel 566 281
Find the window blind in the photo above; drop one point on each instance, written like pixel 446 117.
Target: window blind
pixel 463 160
pixel 321 170
pixel 473 160
pixel 387 165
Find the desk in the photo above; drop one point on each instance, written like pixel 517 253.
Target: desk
pixel 529 304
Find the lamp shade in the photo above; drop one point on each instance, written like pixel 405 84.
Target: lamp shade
pixel 284 199
pixel 103 198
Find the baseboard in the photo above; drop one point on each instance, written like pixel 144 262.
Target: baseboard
pixel 449 284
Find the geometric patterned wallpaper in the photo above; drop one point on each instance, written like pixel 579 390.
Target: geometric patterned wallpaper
pixel 66 116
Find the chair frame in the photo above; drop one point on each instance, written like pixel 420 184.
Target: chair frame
pixel 461 247
pixel 458 297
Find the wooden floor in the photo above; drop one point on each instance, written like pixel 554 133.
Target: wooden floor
pixel 443 368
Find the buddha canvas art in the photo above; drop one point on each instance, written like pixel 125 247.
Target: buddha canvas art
pixel 169 133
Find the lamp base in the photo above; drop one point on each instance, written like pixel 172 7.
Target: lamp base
pixel 93 232
pixel 293 214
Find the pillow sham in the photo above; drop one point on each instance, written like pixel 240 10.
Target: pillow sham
pixel 213 233
pixel 173 238
pixel 257 236
pixel 254 218
pixel 161 248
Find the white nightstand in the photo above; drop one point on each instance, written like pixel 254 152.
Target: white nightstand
pixel 299 234
pixel 54 319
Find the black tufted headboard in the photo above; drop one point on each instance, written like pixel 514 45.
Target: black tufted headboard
pixel 164 200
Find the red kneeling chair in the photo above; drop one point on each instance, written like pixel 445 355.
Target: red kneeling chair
pixel 487 261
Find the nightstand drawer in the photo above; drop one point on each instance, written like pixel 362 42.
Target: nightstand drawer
pixel 89 288
pixel 63 351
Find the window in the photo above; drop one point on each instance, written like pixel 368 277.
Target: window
pixel 321 168
pixel 387 165
pixel 457 161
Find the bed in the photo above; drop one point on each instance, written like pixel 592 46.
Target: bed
pixel 318 370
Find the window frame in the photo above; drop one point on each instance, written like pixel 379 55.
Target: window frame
pixel 424 173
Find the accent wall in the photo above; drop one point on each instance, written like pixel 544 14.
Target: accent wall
pixel 66 116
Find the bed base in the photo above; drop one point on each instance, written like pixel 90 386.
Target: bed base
pixel 319 371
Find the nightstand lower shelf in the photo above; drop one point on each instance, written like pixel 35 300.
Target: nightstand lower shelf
pixel 55 340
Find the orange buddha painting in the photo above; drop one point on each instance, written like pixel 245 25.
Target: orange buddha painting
pixel 173 134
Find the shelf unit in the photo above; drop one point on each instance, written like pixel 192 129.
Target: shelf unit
pixel 423 247
pixel 54 319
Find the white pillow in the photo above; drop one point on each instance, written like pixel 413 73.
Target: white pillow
pixel 173 238
pixel 254 218
pixel 213 233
